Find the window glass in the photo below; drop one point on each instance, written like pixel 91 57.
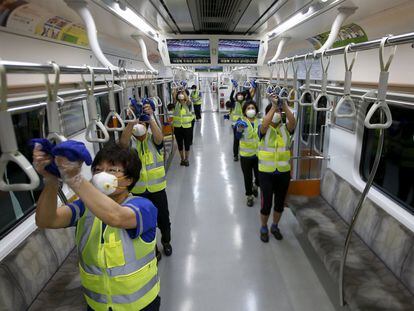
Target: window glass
pixel 346 123
pixel 320 122
pixel 72 117
pixel 396 169
pixel 306 122
pixel 16 206
pixel 103 111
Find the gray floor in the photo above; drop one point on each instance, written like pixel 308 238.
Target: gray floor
pixel 219 262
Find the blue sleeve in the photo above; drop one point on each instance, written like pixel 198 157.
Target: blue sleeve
pixel 78 209
pixel 146 215
pixel 239 135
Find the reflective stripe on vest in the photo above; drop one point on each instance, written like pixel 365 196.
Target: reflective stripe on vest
pixel 250 139
pixel 182 116
pixel 237 112
pixel 152 177
pixel 273 150
pixel 121 272
pixel 196 98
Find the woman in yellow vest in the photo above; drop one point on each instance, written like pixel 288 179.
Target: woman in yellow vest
pixel 197 101
pixel 274 164
pixel 115 232
pixel 182 122
pixel 152 181
pixel 247 133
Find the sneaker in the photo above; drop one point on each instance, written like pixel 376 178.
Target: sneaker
pixel 255 191
pixel 186 163
pixel 276 232
pixel 236 158
pixel 182 163
pixel 250 200
pixel 264 234
pixel 167 249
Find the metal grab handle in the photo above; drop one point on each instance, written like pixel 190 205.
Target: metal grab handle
pixel 91 130
pixel 345 99
pixel 318 99
pixel 9 147
pixel 303 97
pixel 94 120
pixel 384 107
pixel 25 165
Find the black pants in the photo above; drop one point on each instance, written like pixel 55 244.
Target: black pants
pixel 192 132
pixel 273 184
pixel 236 143
pixel 153 306
pixel 197 110
pixel 250 166
pixel 159 199
pixel 183 137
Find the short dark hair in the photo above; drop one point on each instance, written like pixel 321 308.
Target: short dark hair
pixel 194 87
pixel 127 157
pixel 247 104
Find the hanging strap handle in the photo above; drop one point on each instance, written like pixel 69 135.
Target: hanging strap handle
pixel 284 92
pixel 126 109
pixel 113 114
pixel 325 62
pixel 278 74
pixel 294 91
pixel 8 143
pixel 53 108
pixel 307 92
pixel 94 120
pixel 346 98
pixel 381 102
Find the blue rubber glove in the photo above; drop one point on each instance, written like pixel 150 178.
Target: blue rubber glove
pixel 241 123
pixel 47 148
pixel 235 84
pixel 253 83
pixel 73 150
pixel 136 107
pixel 146 101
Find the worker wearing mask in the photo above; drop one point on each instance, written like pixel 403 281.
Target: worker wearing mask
pixel 115 232
pixel 247 133
pixel 236 113
pixel 152 181
pixel 182 123
pixel 197 101
pixel 274 164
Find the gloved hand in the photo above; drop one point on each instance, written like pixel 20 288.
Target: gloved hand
pixel 136 107
pixel 226 117
pixel 70 171
pixel 241 125
pixel 148 109
pixel 235 84
pixel 42 150
pixel 253 83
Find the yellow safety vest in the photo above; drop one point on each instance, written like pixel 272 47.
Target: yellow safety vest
pixel 274 153
pixel 182 116
pixel 119 273
pixel 152 176
pixel 237 112
pixel 250 139
pixel 196 98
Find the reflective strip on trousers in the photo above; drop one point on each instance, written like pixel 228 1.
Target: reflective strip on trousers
pixel 138 294
pixel 94 296
pixel 150 182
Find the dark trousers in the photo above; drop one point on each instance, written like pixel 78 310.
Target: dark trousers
pixel 159 199
pixel 192 132
pixel 273 185
pixel 197 110
pixel 183 137
pixel 153 306
pixel 236 143
pixel 250 166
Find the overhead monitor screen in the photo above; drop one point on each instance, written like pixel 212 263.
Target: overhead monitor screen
pixel 188 51
pixel 232 51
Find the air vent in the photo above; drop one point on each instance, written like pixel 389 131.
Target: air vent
pixel 213 16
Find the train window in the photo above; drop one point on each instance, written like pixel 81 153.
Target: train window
pixel 320 125
pixel 396 169
pixel 73 118
pixel 16 206
pixel 346 123
pixel 306 122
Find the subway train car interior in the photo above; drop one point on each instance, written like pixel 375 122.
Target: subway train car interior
pixel 144 145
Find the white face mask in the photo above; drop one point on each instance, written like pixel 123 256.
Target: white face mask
pixel 139 130
pixel 105 182
pixel 240 98
pixel 276 118
pixel 181 97
pixel 251 113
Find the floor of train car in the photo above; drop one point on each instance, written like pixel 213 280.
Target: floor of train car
pixel 219 262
